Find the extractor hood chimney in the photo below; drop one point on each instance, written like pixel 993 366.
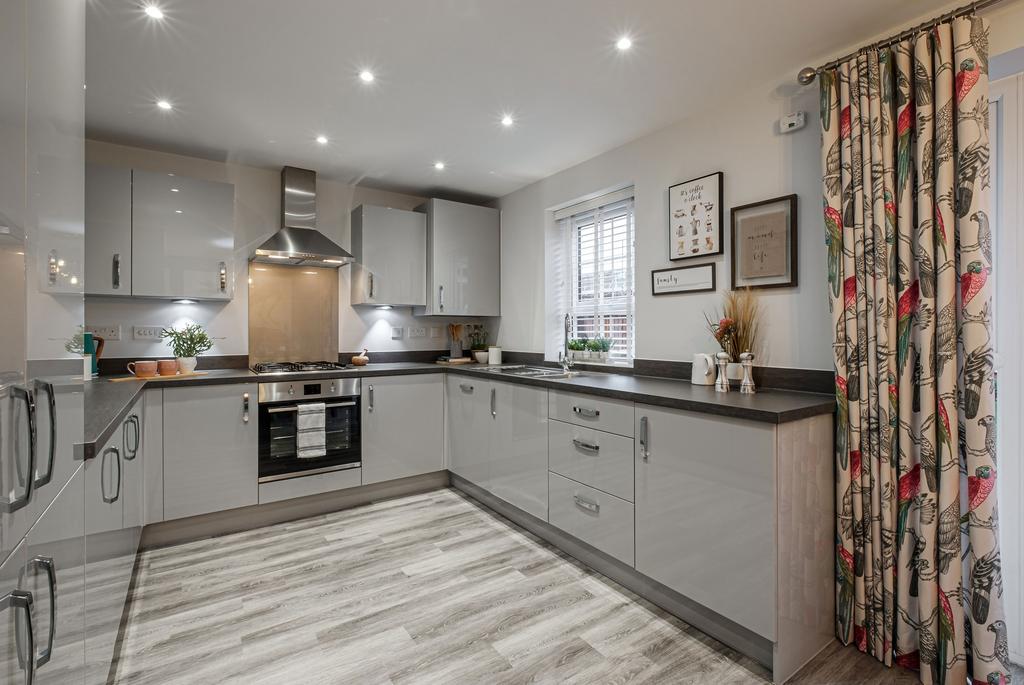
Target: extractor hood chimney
pixel 298 243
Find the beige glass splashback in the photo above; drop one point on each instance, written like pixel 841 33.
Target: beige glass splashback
pixel 293 313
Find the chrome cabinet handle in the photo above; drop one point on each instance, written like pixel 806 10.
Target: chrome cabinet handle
pixel 586 412
pixel 16 501
pixel 103 480
pixel 440 297
pixel 295 407
pixel 494 407
pixel 371 399
pixel 117 495
pixel 22 600
pixel 138 434
pixel 133 423
pixel 223 272
pixel 115 271
pixel 465 387
pixel 370 276
pixel 51 406
pixel 644 438
pixel 245 407
pixel 46 563
pixel 53 267
pixel 584 503
pixel 589 446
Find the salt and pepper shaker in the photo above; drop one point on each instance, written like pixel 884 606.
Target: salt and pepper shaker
pixel 747 386
pixel 722 383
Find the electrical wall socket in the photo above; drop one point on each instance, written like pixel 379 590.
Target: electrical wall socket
pixel 147 332
pixel 397 332
pixel 108 333
pixel 418 332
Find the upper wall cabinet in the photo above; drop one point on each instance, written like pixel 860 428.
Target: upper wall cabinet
pixel 463 259
pixel 183 237
pixel 108 220
pixel 390 247
pixel 158 235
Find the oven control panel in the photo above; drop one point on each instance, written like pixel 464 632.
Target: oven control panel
pixel 291 391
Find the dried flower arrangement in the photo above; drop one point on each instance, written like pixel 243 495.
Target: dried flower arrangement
pixel 737 330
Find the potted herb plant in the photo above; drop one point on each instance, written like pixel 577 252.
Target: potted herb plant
pixel 187 344
pixel 604 346
pixel 576 348
pixel 478 343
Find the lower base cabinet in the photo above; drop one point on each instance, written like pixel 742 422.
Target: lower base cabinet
pixel 601 520
pixel 402 426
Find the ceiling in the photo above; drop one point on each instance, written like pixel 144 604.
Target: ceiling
pixel 256 81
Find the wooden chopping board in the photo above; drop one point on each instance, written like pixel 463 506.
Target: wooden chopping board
pixel 176 377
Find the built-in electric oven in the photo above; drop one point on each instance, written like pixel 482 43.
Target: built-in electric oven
pixel 279 404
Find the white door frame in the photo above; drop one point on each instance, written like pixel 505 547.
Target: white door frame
pixel 1007 138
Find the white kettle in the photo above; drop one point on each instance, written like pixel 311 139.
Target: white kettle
pixel 703 370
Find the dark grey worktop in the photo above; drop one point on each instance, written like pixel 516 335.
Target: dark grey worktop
pixel 106 403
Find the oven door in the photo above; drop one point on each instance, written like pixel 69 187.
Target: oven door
pixel 278 424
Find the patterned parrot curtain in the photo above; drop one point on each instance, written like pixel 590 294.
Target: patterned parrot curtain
pixel 905 152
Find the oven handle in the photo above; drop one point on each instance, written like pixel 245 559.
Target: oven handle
pixel 295 407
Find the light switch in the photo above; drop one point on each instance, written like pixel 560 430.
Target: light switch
pixel 397 332
pixel 147 332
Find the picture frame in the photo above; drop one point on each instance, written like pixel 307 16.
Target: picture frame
pixel 671 282
pixel 764 243
pixel 695 218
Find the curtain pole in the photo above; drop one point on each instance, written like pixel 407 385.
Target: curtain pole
pixel 807 75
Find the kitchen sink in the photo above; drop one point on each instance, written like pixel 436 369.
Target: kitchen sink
pixel 533 372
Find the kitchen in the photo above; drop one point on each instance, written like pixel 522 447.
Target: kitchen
pixel 337 362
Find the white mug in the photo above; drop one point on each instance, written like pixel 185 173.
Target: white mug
pixel 703 370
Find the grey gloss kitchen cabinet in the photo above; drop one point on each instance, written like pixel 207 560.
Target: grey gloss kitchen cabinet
pixel 108 216
pixel 498 440
pixel 182 237
pixel 705 511
pixel 210 449
pixel 402 427
pixel 463 259
pixel 390 247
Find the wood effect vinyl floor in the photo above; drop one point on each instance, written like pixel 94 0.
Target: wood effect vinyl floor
pixel 430 588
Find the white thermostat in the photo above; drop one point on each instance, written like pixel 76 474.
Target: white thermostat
pixel 792 122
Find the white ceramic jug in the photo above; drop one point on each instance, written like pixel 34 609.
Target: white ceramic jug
pixel 703 371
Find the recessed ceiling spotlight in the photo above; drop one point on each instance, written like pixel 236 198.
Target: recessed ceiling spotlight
pixel 174 190
pixel 624 43
pixel 322 140
pixel 507 120
pixel 439 166
pixel 163 104
pixel 366 76
pixel 384 307
pixel 177 211
pixel 184 301
pixel 154 12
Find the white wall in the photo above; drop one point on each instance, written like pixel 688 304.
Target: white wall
pixel 740 139
pixel 257 216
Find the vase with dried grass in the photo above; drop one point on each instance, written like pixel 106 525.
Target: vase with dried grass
pixel 737 328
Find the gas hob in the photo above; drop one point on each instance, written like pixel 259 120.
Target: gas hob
pixel 282 368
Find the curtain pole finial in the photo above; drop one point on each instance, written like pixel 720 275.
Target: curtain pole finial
pixel 806 76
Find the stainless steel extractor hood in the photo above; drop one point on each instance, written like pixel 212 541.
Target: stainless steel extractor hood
pixel 298 243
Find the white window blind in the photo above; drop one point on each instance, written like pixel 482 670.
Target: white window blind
pixel 599 241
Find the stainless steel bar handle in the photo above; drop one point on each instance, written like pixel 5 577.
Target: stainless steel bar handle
pixel 494 406
pixel 117 454
pixel 370 407
pixel 103 474
pixel 295 407
pixel 440 297
pixel 130 451
pixel 370 276
pixel 115 271
pixel 465 387
pixel 51 406
pixel 644 438
pixel 46 563
pixel 245 407
pixel 21 600
pixel 223 273
pixel 585 503
pixel 20 394
pixel 589 446
pixel 586 412
pixel 138 434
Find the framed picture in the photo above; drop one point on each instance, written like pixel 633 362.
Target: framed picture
pixel 683 279
pixel 695 218
pixel 764 247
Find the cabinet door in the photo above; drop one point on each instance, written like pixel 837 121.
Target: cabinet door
pixel 705 513
pixel 108 223
pixel 469 428
pixel 211 457
pixel 55 575
pixel 519 447
pixel 390 246
pixel 402 427
pixel 13 660
pixel 182 237
pixel 464 261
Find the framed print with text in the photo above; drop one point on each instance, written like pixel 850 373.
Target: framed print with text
pixel 764 244
pixel 695 218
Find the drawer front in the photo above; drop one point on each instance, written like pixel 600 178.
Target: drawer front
pixel 597 518
pixel 612 416
pixel 595 458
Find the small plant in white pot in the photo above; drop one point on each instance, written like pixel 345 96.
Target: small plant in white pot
pixel 187 344
pixel 603 346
